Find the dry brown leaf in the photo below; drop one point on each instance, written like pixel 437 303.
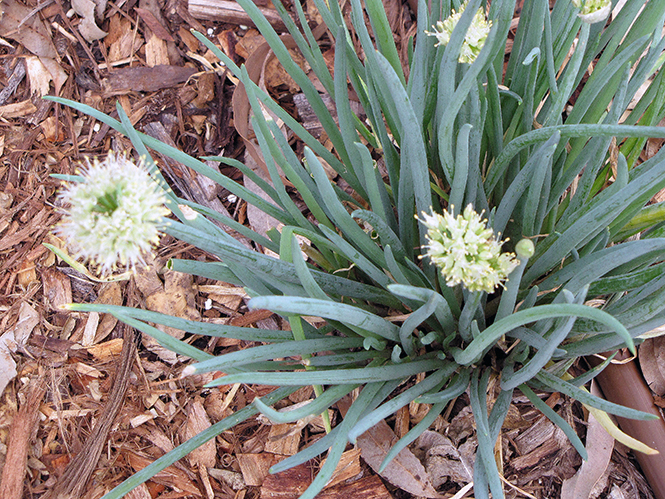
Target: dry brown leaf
pixel 57 72
pixel 276 74
pixel 12 340
pixel 650 364
pixel 153 434
pixel 88 27
pixel 444 461
pixel 256 64
pixel 405 471
pixel 110 293
pixel 599 446
pixel 21 23
pixel 52 129
pixel 173 297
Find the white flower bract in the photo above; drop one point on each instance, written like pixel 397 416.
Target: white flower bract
pixel 466 251
pixel 112 217
pixel 475 37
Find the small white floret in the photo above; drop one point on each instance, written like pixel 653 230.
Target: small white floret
pixel 475 37
pixel 466 251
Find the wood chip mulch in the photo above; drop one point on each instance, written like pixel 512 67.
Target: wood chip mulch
pixel 86 401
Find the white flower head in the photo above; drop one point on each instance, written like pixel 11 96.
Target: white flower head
pixel 475 37
pixel 593 11
pixel 113 215
pixel 466 251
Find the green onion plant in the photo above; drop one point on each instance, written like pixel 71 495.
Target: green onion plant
pixel 511 228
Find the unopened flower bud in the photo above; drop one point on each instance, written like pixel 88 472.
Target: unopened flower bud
pixel 525 249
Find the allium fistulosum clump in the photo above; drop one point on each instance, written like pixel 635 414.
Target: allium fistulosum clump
pixel 566 219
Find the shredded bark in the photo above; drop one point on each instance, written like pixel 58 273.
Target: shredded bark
pixel 20 437
pixel 75 478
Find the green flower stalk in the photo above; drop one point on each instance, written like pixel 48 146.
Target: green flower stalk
pixel 466 251
pixel 593 11
pixel 475 37
pixel 113 214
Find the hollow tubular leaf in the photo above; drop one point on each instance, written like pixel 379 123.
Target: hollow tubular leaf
pixel 348 314
pixel 336 377
pixel 489 336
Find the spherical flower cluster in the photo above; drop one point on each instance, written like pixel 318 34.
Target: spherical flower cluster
pixel 466 251
pixel 112 217
pixel 593 11
pixel 475 37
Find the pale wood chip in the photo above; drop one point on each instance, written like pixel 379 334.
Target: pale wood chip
pixel 197 421
pixel 347 468
pixel 370 487
pixel 17 109
pixel 205 480
pixel 57 288
pixel 140 492
pixel 284 439
pixel 170 476
pixel 254 467
pixel 106 351
pixel 288 484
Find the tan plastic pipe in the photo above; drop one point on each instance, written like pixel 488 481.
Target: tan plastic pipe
pixel 623 384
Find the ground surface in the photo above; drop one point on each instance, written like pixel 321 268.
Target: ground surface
pixel 87 401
